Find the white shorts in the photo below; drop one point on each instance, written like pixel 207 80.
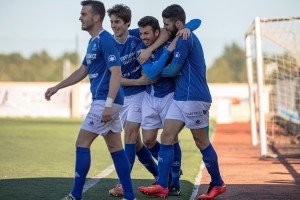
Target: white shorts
pixel 154 111
pixel 132 108
pixel 92 122
pixel 195 114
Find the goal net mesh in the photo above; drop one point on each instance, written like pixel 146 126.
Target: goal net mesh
pixel 280 50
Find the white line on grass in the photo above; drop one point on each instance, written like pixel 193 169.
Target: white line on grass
pixel 197 182
pixel 199 175
pixel 93 181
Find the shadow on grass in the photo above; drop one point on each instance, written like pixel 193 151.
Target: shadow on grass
pixel 57 188
pixel 268 191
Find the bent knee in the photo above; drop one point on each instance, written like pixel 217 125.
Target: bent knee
pixel 149 142
pixel 132 133
pixel 202 144
pixel 81 142
pixel 168 138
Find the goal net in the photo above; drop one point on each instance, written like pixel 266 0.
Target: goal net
pixel 273 64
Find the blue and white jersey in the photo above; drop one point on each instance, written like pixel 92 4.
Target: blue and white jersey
pixel 102 53
pixel 164 85
pixel 131 69
pixel 191 84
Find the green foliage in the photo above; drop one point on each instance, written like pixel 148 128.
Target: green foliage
pixel 39 67
pixel 230 67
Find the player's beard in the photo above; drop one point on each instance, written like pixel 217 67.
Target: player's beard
pixel 86 26
pixel 146 42
pixel 149 42
pixel 173 32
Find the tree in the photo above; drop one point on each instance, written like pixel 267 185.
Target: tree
pixel 39 67
pixel 230 67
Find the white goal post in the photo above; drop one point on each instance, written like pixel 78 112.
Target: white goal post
pixel 273 68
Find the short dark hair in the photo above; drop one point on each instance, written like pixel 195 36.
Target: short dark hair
pixel 174 12
pixel 97 7
pixel 149 21
pixel 122 11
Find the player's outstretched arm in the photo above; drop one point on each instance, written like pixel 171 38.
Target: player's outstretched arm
pixel 143 80
pixel 152 71
pixel 114 85
pixel 193 24
pixel 190 26
pixel 75 77
pixel 172 69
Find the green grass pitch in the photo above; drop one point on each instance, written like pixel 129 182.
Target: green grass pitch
pixel 37 161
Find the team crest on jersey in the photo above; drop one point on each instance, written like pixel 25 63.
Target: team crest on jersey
pixel 94 48
pixel 91 123
pixel 177 54
pixel 95 75
pixel 111 58
pixel 133 44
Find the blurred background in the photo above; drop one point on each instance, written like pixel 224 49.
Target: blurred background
pixel 41 43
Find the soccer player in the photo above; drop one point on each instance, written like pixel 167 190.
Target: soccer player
pixel 190 105
pixel 134 88
pixel 157 99
pixel 103 66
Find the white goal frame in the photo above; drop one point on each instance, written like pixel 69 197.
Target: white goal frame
pixel 256 86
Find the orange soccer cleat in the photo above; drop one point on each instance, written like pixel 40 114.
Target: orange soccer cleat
pixel 116 191
pixel 154 190
pixel 213 191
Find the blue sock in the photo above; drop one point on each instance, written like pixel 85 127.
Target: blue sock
pixel 155 149
pixel 210 159
pixel 82 166
pixel 165 159
pixel 123 170
pixel 130 150
pixel 176 165
pixel 145 157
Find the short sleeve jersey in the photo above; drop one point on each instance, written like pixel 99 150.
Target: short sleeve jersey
pixel 102 53
pixel 191 84
pixel 131 69
pixel 164 85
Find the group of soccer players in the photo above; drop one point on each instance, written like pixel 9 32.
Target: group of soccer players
pixel 163 76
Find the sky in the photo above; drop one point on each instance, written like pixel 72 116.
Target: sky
pixel 31 26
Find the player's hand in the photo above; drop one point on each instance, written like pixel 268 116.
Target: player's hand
pixel 144 55
pixel 107 114
pixel 50 91
pixel 185 33
pixel 171 46
pixel 144 80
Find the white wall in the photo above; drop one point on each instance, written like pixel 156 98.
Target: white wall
pixel 27 100
pixel 230 101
